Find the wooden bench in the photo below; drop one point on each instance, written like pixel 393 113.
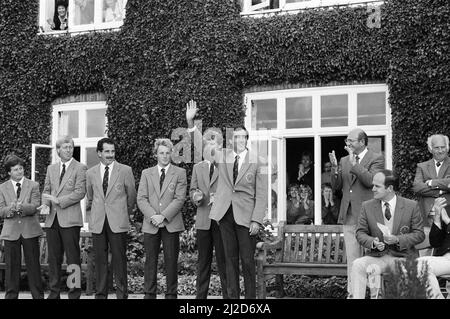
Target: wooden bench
pixel 301 250
pixel 85 243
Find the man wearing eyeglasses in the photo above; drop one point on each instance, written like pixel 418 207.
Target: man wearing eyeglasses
pixel 354 179
pixel 64 188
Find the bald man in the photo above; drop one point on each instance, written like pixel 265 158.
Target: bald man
pixel 432 180
pixel 354 179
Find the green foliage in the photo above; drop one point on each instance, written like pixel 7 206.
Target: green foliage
pixel 169 51
pixel 407 281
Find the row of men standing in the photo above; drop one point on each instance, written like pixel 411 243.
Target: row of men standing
pixel 358 185
pixel 228 176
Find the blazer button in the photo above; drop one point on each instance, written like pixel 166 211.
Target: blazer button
pixel 350 191
pixel 19 221
pixel 160 204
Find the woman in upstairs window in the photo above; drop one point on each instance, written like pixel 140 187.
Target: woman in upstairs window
pixel 113 10
pixel 300 207
pixel 60 18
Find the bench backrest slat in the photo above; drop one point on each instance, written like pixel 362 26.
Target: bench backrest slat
pixel 328 252
pixel 296 246
pixel 320 249
pixel 311 247
pixel 304 246
pixel 288 248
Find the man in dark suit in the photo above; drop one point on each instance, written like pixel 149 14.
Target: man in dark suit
pixel 65 187
pixel 161 195
pixel 439 263
pixel 432 180
pixel 111 198
pixel 202 193
pixel 389 227
pixel 354 179
pixel 19 198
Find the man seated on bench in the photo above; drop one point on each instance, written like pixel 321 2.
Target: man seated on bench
pixel 389 227
pixel 439 264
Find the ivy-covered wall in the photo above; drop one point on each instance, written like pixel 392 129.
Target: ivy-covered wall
pixel 169 51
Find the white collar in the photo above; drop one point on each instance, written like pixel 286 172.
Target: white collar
pixel 391 203
pixel 362 154
pixel 14 182
pixel 241 154
pixel 165 168
pixel 66 163
pixel 110 166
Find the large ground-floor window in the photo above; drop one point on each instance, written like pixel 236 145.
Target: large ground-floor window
pixel 85 122
pixel 296 129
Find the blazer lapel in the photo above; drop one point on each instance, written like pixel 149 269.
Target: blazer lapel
pixel 230 163
pixel 98 179
pixel 243 169
pixel 214 176
pixel 25 189
pixel 398 215
pixel 378 212
pixel 154 177
pixel 10 190
pixel 432 168
pixel 66 175
pixel 443 169
pixel 167 179
pixel 204 171
pixel 114 176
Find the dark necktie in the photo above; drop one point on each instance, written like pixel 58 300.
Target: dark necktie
pixel 387 211
pixel 211 171
pixel 105 180
pixel 161 178
pixel 62 173
pixel 18 190
pixel 357 158
pixel 235 168
pixel 438 164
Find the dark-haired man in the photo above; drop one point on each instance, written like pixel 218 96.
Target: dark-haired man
pixel 65 187
pixel 389 227
pixel 354 179
pixel 111 195
pixel 19 198
pixel 240 203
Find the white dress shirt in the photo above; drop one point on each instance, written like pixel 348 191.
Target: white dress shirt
pixel 165 169
pixel 102 170
pixel 392 203
pixel 66 163
pixel 14 184
pixel 361 155
pixel 242 156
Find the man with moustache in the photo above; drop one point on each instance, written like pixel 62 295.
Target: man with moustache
pixel 161 195
pixel 432 181
pixel 19 199
pixel 202 191
pixel 403 221
pixel 65 187
pixel 111 198
pixel 240 203
pixel 354 179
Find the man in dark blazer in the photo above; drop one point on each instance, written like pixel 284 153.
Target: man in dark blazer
pixel 19 198
pixel 403 230
pixel 439 263
pixel 354 179
pixel 432 180
pixel 202 194
pixel 161 195
pixel 111 195
pixel 65 187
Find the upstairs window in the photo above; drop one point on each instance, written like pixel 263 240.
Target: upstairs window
pixel 80 15
pixel 250 7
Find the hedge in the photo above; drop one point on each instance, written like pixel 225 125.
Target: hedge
pixel 169 51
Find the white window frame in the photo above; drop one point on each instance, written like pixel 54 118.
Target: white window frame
pixel 97 25
pixel 284 7
pixel 82 140
pixel 316 131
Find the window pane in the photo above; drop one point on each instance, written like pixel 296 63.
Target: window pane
pixel 113 10
pixel 299 112
pixel 334 110
pixel 95 123
pixel 91 156
pixel 264 114
pixel 372 108
pixel 56 17
pixel 68 123
pixel 84 12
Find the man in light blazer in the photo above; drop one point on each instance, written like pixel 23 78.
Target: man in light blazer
pixel 354 179
pixel 161 195
pixel 111 195
pixel 65 187
pixel 432 181
pixel 19 198
pixel 404 229
pixel 202 192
